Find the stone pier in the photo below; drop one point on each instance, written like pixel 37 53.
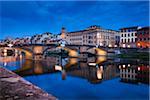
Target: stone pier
pixel 14 87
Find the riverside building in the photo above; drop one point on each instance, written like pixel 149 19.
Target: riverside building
pixel 128 37
pixel 93 35
pixel 143 37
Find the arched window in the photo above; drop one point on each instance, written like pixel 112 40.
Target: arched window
pixel 124 40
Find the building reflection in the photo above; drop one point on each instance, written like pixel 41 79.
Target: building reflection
pixel 134 73
pixel 94 69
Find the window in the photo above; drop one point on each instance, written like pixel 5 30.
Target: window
pixel 135 39
pixel 128 35
pixel 132 34
pixel 132 40
pixel 124 35
pixel 128 40
pixel 124 40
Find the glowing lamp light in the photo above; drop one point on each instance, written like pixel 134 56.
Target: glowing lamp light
pixel 128 65
pixel 124 66
pixel 139 68
pixel 92 64
pixel 129 46
pixel 115 46
pixel 109 45
pixel 138 44
pixel 123 45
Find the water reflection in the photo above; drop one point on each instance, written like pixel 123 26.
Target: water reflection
pixel 93 69
pixel 134 74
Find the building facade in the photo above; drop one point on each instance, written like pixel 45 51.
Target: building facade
pixel 143 37
pixel 93 35
pixel 128 36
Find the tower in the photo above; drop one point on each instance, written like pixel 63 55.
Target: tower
pixel 63 33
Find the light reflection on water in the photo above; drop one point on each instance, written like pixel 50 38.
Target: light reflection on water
pixel 88 78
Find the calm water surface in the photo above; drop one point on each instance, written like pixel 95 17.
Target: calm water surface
pixel 83 79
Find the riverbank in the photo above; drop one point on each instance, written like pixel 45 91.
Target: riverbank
pixel 137 55
pixel 14 87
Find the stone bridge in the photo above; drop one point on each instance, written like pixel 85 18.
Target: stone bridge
pixel 37 51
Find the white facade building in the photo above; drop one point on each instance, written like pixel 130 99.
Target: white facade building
pixel 128 37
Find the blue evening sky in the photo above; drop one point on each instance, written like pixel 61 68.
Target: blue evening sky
pixel 26 18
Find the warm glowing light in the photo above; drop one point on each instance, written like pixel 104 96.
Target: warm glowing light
pixel 123 45
pixel 100 52
pixel 115 46
pixel 58 68
pixel 5 54
pixel 128 65
pixel 129 46
pixel 92 64
pixel 38 49
pixel 73 53
pixel 99 73
pixel 71 62
pixel 100 59
pixel 119 66
pixel 5 50
pixel 38 70
pixel 138 44
pixel 101 44
pixel 109 45
pixel 124 66
pixel 139 68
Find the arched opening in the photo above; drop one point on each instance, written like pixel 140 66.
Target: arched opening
pixel 28 54
pixel 97 51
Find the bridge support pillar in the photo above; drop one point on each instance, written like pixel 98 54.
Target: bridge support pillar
pixel 38 57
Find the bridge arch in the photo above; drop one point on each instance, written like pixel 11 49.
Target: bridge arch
pixel 97 51
pixel 71 52
pixel 28 52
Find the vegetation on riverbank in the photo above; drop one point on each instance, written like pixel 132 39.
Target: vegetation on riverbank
pixel 55 53
pixel 137 55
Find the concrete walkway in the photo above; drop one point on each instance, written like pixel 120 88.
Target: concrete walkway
pixel 13 87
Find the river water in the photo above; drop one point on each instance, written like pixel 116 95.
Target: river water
pixel 91 78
